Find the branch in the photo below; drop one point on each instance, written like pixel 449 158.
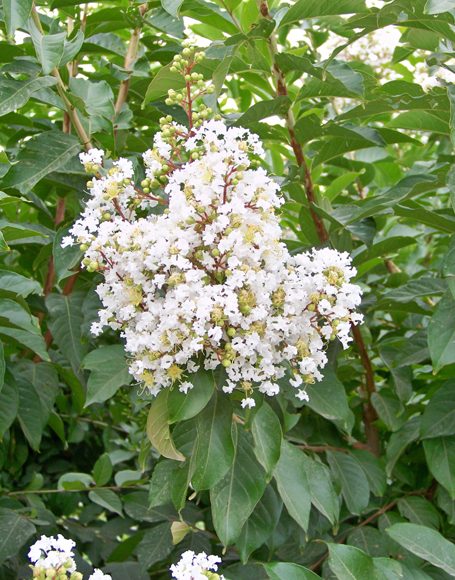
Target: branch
pixel 369 413
pixel 128 64
pixel 281 89
pixel 92 488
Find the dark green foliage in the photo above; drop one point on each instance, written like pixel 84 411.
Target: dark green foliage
pixel 360 482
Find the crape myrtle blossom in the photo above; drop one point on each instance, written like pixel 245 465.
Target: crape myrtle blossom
pixel 193 566
pixel 52 559
pixel 207 282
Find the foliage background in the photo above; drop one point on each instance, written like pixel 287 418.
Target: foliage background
pixel 359 483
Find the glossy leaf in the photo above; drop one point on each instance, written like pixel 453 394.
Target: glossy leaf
pixel 425 543
pixel 236 495
pixel 109 372
pixel 158 428
pixel 292 482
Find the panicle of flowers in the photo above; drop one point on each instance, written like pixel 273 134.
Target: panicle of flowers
pixel 206 281
pixel 52 559
pixel 193 566
pixel 376 49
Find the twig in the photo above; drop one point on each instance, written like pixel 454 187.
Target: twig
pixel 281 90
pixel 369 413
pixel 370 416
pixel 92 488
pixel 130 59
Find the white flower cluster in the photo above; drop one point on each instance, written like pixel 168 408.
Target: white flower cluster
pixel 193 566
pixel 376 50
pixel 208 281
pixel 52 559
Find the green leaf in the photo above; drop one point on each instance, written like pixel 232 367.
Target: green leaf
pixel 16 314
pixel 161 83
pixel 323 495
pixel 9 405
pixel 75 481
pixel 418 510
pixel 19 284
pixel 267 434
pixel 353 481
pixel 183 406
pixel 161 482
pixel 400 440
pixel 109 372
pixel 303 9
pixel 373 467
pixel 15 530
pixel 15 94
pixel 158 428
pixel 440 456
pixel 3 245
pixel 108 499
pixel 235 496
pixel 102 470
pixel 97 97
pixel 65 259
pixel 31 340
pixel 438 6
pixel 328 398
pixel 48 48
pixel 425 543
pixel 441 333
pixel 155 546
pixel 2 366
pixel 66 317
pixel 347 562
pixel 71 48
pixel 16 13
pixel 347 76
pixel 29 412
pixel 261 523
pixel 213 453
pixel 288 571
pixel 438 418
pixel 291 478
pixel 172 7
pixel 41 155
pixel 389 409
pixel 263 110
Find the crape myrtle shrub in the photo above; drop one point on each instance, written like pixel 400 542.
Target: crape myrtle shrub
pixel 353 105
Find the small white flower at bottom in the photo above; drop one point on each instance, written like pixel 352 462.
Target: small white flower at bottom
pixel 248 402
pixel 193 566
pixel 99 575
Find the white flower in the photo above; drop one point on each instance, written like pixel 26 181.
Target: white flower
pixel 248 402
pixel 51 552
pixel 208 282
pixel 99 575
pixel 193 566
pixel 93 156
